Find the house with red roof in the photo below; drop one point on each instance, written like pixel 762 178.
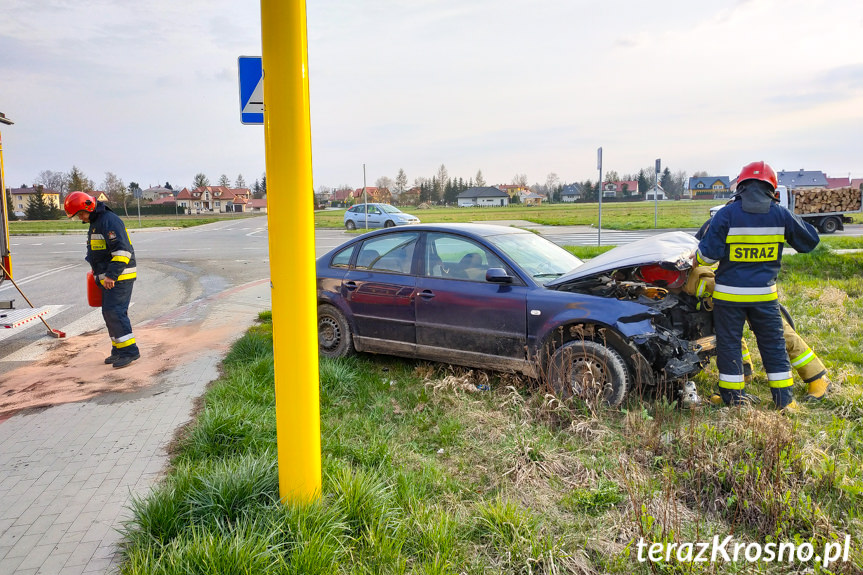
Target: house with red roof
pixel 620 189
pixel 219 199
pixel 833 183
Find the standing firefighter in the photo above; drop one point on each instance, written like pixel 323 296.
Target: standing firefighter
pixel 746 238
pixel 110 253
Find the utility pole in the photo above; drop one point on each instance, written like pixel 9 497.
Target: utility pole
pixel 365 198
pixel 599 187
pixel 656 195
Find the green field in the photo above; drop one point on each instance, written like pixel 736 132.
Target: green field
pixel 433 469
pixel 615 215
pixel 74 225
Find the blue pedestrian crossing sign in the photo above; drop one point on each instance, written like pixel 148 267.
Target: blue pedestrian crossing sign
pixel 251 90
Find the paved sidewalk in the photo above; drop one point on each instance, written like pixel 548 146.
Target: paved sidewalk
pixel 67 474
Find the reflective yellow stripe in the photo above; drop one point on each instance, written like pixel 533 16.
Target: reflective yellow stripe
pixel 781 382
pixel 803 358
pixel 128 276
pixel 746 357
pixel 744 294
pixel 745 298
pixel 123 259
pixel 122 344
pixel 704 260
pixel 729 381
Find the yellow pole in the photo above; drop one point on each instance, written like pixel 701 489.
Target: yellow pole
pixel 290 209
pixel 5 256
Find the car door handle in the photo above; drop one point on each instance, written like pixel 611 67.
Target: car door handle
pixel 426 294
pixel 350 285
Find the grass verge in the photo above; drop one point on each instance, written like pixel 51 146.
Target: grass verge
pixel 431 469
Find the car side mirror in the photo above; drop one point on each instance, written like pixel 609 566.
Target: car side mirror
pixel 498 276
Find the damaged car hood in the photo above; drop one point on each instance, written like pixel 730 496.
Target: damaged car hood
pixel 673 250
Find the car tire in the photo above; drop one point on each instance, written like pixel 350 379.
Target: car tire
pixel 350 225
pixel 389 224
pixel 334 333
pixel 588 370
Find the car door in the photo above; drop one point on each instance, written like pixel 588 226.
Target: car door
pixel 379 291
pixel 376 216
pixel 460 317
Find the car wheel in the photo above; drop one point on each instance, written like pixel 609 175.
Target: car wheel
pixel 389 224
pixel 588 370
pixel 350 225
pixel 334 333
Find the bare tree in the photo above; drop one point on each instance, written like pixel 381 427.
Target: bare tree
pixel 116 191
pixel 56 181
pixel 611 176
pixel 551 182
pixel 240 182
pixel 384 182
pixel 520 180
pixel 480 181
pixel 401 182
pixel 224 181
pixel 442 177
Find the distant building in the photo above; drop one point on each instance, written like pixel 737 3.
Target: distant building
pixel 21 198
pixel 482 196
pixel 710 187
pixel 620 189
pixel 802 179
pixel 571 193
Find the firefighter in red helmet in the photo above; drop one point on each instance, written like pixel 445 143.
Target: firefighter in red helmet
pixel 746 238
pixel 112 258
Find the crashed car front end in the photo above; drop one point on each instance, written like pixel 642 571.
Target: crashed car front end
pixel 671 334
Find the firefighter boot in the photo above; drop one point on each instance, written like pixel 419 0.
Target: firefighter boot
pixel 125 360
pixel 817 389
pixel 783 398
pixel 733 397
pixel 111 358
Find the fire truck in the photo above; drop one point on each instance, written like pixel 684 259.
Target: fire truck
pixel 9 316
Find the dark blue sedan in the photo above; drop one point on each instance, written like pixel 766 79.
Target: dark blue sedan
pixel 506 299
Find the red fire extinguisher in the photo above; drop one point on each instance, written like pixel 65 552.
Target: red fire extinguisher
pixel 94 292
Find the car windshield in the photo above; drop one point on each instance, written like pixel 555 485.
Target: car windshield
pixel 388 209
pixel 537 256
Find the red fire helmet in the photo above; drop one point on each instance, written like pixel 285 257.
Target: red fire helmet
pixel 78 201
pixel 759 171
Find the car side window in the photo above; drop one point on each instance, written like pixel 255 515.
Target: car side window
pixel 449 256
pixel 343 258
pixel 390 253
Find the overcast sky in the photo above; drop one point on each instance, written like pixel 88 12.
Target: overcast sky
pixel 149 89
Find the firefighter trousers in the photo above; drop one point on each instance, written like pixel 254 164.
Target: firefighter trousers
pixel 115 311
pixel 804 361
pixel 766 323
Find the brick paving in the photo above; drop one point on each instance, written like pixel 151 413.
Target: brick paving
pixel 68 472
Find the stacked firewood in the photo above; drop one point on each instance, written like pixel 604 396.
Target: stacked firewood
pixel 820 200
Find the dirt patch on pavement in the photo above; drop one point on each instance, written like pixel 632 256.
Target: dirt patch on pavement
pixel 74 368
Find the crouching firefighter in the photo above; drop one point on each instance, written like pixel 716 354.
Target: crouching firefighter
pixel 112 258
pixel 746 237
